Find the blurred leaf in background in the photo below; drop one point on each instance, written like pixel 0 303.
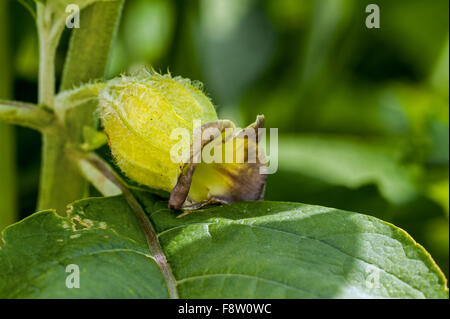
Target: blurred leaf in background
pixel 362 113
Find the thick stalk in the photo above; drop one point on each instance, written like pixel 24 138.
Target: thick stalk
pixel 26 114
pixel 147 227
pixel 61 183
pixel 8 174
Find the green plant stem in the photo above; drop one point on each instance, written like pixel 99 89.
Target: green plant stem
pixel 47 49
pixel 26 114
pixel 92 173
pixel 61 182
pixel 147 227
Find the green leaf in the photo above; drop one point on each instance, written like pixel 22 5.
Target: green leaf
pixel 59 179
pixel 57 8
pixel 86 61
pixel 8 169
pixel 245 250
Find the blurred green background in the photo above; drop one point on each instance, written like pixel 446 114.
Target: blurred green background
pixel 362 114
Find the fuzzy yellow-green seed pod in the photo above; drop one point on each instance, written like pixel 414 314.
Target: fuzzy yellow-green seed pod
pixel 139 114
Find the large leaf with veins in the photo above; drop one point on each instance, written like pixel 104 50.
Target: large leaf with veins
pixel 244 250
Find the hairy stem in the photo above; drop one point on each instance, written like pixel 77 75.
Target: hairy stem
pixel 147 227
pixel 47 48
pixel 26 114
pixel 90 45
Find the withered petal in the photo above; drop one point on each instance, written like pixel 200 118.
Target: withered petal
pixel 238 181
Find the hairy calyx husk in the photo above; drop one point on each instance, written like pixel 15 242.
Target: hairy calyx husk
pixel 140 113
